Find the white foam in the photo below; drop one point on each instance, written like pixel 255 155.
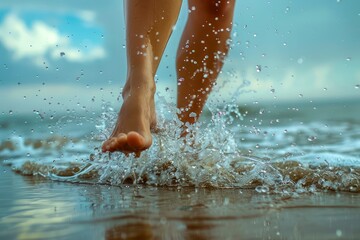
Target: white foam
pixel 217 158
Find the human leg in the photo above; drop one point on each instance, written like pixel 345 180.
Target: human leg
pixel 201 54
pixel 148 27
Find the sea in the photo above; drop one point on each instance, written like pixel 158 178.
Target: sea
pixel 287 148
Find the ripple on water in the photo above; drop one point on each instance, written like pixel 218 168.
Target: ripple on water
pixel 210 156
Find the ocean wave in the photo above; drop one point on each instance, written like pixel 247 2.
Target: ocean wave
pixel 225 152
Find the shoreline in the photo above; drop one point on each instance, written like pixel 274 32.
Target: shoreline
pixel 33 207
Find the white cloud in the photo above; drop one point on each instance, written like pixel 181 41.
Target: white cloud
pixel 317 82
pixel 23 42
pixel 87 16
pixel 55 97
pixel 40 41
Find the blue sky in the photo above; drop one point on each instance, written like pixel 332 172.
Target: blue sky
pixel 70 54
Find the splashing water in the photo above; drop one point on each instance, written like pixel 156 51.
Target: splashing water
pixel 218 152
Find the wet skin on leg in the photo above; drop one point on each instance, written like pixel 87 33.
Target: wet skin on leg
pixel 148 27
pixel 201 54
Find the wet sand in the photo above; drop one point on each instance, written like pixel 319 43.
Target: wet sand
pixel 37 208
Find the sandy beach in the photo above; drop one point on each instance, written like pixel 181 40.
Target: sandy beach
pixel 247 120
pixel 36 208
pixel 290 194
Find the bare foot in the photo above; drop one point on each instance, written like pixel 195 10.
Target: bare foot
pixel 132 131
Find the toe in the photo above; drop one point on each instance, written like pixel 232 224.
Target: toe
pixel 137 154
pixel 119 143
pixel 106 146
pixel 115 143
pixel 136 141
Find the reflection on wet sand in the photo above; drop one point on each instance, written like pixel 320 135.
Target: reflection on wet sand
pixel 130 231
pixel 144 231
pixel 33 207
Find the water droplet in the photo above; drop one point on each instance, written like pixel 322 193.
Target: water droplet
pixel 300 95
pixel 325 89
pixel 348 59
pixel 258 68
pixel 262 189
pixel 62 54
pixel 311 138
pixel 193 115
pixel 300 60
pixel 357 86
pixel 272 90
pixel 10 112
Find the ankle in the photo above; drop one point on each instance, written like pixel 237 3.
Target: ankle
pixel 139 84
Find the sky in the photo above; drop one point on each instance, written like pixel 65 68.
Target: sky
pixel 70 55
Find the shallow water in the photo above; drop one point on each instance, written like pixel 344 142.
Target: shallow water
pixel 38 208
pixel 288 149
pixel 281 172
